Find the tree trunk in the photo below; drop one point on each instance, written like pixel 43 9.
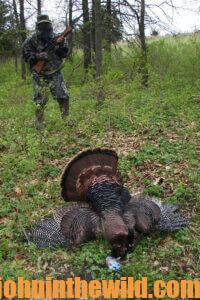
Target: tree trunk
pixel 98 49
pixel 39 7
pixel 93 26
pixel 70 39
pixel 16 15
pixel 142 37
pixel 16 27
pixel 16 61
pixel 108 25
pixel 98 38
pixel 86 35
pixel 23 36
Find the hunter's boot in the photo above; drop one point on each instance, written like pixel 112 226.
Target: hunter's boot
pixel 64 108
pixel 39 118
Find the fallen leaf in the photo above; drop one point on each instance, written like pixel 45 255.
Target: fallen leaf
pixel 164 269
pixel 156 263
pixel 158 181
pixel 34 181
pixel 18 192
pixel 19 256
pixel 4 220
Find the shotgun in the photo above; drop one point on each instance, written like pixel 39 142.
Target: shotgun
pixel 55 43
pixel 51 46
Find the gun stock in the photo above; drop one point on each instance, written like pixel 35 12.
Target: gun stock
pixel 38 67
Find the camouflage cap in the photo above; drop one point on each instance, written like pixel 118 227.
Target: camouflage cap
pixel 43 19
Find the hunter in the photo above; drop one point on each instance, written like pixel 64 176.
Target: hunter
pixel 35 49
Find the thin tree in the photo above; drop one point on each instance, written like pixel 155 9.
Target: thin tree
pixel 93 26
pixel 22 35
pixel 70 39
pixel 139 10
pixel 98 38
pixel 108 25
pixel 16 28
pixel 16 15
pixel 86 34
pixel 142 37
pixel 98 48
pixel 39 7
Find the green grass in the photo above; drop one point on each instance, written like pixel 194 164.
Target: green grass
pixel 155 131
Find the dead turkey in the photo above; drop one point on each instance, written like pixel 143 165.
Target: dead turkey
pixel 92 177
pixel 104 207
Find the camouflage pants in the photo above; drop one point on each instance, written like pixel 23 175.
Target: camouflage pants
pixel 54 82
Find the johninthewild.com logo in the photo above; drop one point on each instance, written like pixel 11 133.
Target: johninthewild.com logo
pixel 126 287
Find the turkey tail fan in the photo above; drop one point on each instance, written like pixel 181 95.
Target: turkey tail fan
pixel 68 226
pixel 85 167
pixel 171 219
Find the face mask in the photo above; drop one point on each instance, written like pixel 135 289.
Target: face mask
pixel 44 31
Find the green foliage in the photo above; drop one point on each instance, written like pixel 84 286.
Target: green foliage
pixel 5 16
pixel 156 133
pixel 116 28
pixel 7 33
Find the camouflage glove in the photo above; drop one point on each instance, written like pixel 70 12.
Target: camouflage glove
pixel 42 56
pixel 59 43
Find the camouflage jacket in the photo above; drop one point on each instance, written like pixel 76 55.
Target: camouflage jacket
pixel 33 45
